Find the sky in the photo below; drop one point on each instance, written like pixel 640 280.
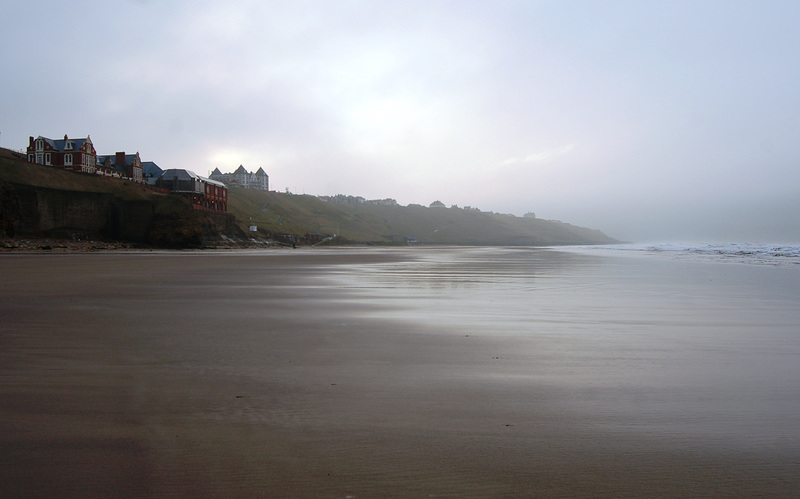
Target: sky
pixel 649 120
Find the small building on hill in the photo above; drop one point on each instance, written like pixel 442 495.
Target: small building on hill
pixel 437 204
pixel 71 154
pixel 121 165
pixel 342 199
pixel 204 193
pixel 383 202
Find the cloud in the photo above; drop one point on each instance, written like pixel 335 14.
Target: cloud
pixel 542 156
pixel 581 114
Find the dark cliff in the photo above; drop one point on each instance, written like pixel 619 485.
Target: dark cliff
pixel 43 202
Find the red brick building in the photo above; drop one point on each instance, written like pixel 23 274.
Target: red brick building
pixel 71 154
pixel 121 165
pixel 204 193
pixel 216 195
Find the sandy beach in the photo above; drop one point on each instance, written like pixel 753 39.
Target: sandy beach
pixel 361 373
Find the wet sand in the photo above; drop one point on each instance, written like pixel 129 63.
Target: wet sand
pixel 257 374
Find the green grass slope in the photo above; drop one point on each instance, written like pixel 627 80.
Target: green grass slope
pixel 15 169
pixel 277 213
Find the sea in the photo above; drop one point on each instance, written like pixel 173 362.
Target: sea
pixel 742 253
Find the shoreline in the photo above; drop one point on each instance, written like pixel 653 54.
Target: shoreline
pixel 60 245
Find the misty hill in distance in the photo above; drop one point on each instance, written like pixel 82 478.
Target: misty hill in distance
pixel 381 224
pixel 41 201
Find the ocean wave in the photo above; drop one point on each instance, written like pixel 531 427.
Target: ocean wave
pixel 765 254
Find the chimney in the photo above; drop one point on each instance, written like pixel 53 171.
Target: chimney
pixel 31 141
pixel 65 136
pixel 120 158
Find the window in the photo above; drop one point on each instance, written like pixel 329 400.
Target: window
pixel 39 145
pixel 39 158
pixel 47 158
pixel 31 158
pixel 68 159
pixel 68 147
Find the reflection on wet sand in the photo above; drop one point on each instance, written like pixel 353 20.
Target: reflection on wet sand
pixel 396 372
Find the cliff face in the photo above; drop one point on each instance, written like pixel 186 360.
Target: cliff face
pixel 44 202
pixel 42 212
pixel 165 221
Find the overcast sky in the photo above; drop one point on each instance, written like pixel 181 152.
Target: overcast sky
pixel 649 120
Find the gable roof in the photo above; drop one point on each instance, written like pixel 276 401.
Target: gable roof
pixel 110 160
pixel 60 145
pixel 240 171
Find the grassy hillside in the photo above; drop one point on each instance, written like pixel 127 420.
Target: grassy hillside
pixel 278 213
pixel 15 169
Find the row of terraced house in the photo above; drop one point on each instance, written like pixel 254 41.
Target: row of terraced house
pixel 79 155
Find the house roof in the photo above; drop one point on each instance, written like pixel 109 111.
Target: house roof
pixel 261 172
pixel 180 174
pixel 216 172
pixel 214 182
pixel 150 169
pixel 183 174
pixel 60 145
pixel 109 160
pixel 109 163
pixel 240 171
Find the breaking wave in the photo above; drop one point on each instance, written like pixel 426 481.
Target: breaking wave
pixel 748 253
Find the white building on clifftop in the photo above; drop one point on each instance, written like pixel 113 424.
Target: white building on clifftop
pixel 241 177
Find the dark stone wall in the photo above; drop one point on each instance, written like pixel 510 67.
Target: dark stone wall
pixel 40 212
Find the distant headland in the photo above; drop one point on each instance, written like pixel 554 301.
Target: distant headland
pixel 62 192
